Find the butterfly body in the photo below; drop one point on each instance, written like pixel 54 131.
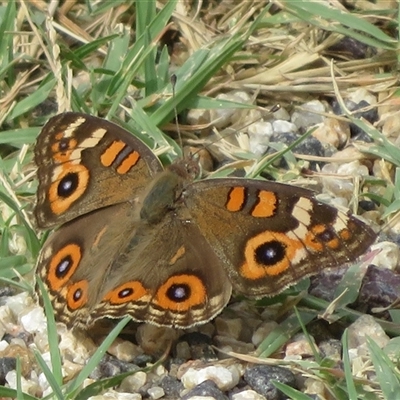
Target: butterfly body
pixel 156 244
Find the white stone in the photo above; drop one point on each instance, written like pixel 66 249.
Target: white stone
pixel 27 386
pixel 281 126
pixel 304 119
pixel 202 398
pixel 362 94
pixel 76 348
pixel 19 303
pixel 282 114
pixel 124 350
pixel 112 395
pixel 3 345
pixel 223 377
pixel 133 383
pixel 156 392
pixel 248 395
pixel 34 320
pixel 388 255
pixel 361 329
pixel 259 134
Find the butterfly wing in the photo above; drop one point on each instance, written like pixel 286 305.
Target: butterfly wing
pixel 271 235
pixel 85 163
pixel 165 274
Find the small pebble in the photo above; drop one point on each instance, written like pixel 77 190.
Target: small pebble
pixel 224 378
pixel 205 390
pixel 299 347
pixel 304 119
pixel 263 331
pixel 366 326
pixel 124 350
pixel 156 392
pixel 248 395
pixel 388 255
pixel 259 378
pixel 133 383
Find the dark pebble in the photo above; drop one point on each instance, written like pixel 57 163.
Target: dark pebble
pixel 309 146
pixel 323 285
pixel 380 288
pixel 172 387
pixel 111 366
pixel 206 388
pixel 370 115
pixel 259 378
pixel 200 346
pixel 351 48
pixel 7 364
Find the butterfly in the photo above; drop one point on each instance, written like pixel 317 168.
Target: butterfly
pixel 135 238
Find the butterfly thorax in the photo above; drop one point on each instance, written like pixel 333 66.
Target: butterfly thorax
pixel 165 191
pixel 160 197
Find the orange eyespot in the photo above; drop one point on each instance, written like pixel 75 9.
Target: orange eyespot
pixel 129 291
pixel 181 292
pixel 77 295
pixel 63 265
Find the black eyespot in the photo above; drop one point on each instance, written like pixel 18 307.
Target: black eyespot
pixel 326 236
pixel 77 294
pixel 270 253
pixel 125 293
pixel 63 267
pixel 63 145
pixel 179 292
pixel 68 184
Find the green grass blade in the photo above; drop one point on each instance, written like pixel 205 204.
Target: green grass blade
pixel 76 384
pixel 51 379
pixel 33 100
pixel 33 241
pixel 290 392
pixel 6 42
pixel 6 392
pixel 386 372
pixel 281 334
pixel 351 388
pixel 52 335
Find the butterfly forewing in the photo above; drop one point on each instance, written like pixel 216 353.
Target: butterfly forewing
pixel 83 164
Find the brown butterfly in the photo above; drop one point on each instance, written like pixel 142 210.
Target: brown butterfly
pixel 137 239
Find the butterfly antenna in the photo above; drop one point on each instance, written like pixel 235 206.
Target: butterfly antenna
pixel 174 78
